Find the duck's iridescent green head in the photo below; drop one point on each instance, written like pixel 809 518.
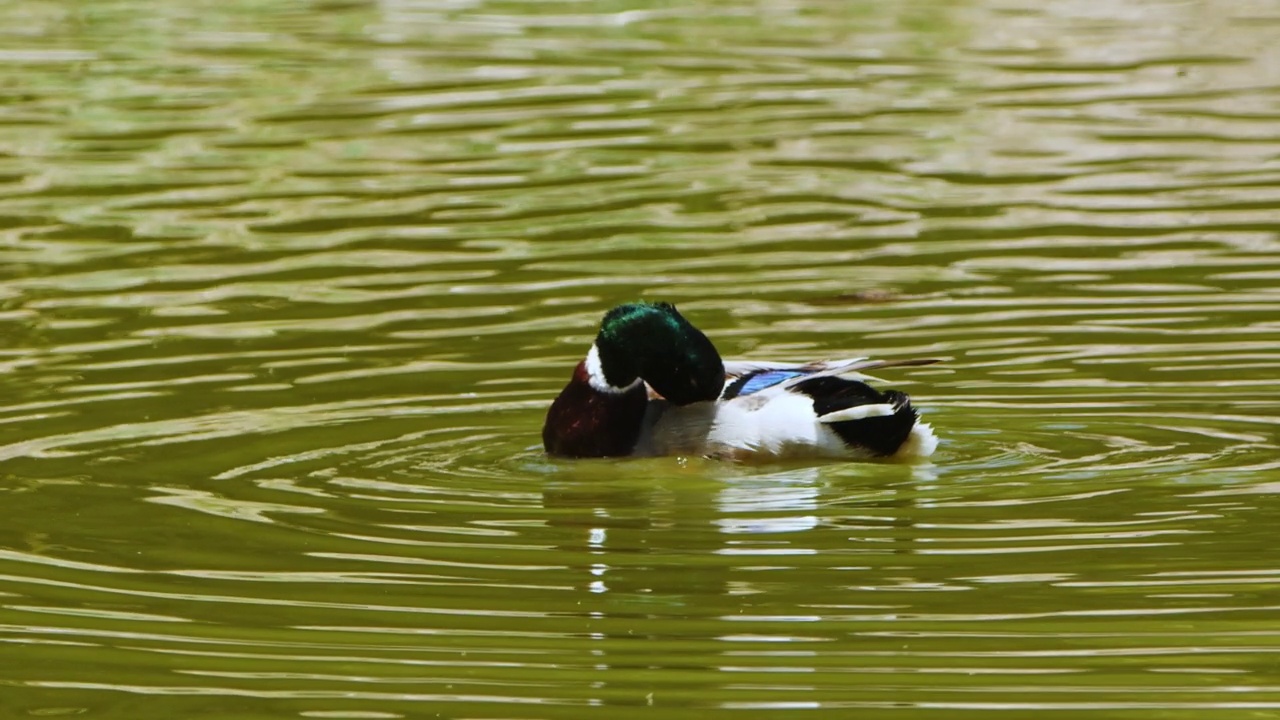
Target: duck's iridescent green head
pixel 654 342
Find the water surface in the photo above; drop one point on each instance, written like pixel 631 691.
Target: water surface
pixel 286 287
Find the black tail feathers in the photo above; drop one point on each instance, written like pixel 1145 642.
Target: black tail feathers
pixel 880 435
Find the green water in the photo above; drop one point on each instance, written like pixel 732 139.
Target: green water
pixel 286 287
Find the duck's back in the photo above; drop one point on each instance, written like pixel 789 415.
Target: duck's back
pixel 777 411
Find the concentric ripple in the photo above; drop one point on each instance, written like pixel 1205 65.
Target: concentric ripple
pixel 285 291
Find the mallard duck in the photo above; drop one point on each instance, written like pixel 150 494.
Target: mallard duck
pixel 653 384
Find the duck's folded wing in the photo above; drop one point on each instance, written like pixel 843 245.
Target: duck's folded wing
pixel 858 365
pixel 738 368
pixel 750 376
pixel 744 377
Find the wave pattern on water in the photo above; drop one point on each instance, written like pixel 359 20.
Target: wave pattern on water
pixel 285 291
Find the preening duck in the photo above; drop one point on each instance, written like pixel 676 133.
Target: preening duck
pixel 653 384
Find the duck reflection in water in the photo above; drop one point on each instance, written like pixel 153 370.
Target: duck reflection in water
pixel 668 535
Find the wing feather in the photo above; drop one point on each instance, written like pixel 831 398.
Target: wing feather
pixel 823 368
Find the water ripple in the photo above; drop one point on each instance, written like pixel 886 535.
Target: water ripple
pixel 284 299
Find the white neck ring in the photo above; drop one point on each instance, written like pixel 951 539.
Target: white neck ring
pixel 595 375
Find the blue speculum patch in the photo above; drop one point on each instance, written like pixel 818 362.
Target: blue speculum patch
pixel 759 380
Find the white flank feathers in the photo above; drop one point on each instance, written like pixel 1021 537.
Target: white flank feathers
pixel 771 423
